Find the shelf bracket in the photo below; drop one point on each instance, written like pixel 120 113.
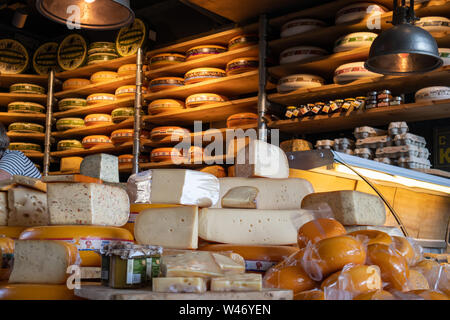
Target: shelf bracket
pixel 262 94
pixel 137 111
pixel 48 122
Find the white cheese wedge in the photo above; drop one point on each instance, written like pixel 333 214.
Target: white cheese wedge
pixel 179 285
pixel 27 208
pixel 249 226
pixel 392 231
pixel 277 194
pixel 102 166
pixel 349 207
pixel 238 282
pixel 173 227
pixel 3 208
pixel 87 204
pixel 240 197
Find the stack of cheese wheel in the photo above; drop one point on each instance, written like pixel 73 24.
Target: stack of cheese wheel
pixel 437 26
pixel 203 74
pixel 298 81
pixel 129 91
pixel 25 127
pixel 71 164
pixel 242 119
pixel 172 133
pixel 122 136
pixel 45 58
pixel 354 41
pixel 98 98
pixel 241 65
pixel 166 154
pixel 103 76
pixel 64 145
pixel 72 52
pixel 101 51
pixel 25 107
pixel 164 83
pixel 162 106
pixel 165 59
pixel 71 103
pixel 64 124
pixel 352 71
pixel 14 58
pixel 96 141
pixel 242 41
pixel 300 53
pixel 200 99
pixel 121 114
pixel 26 88
pixel 359 11
pixel 25 147
pixel 298 26
pixel 444 53
pixel 204 51
pixel 97 119
pixel 75 83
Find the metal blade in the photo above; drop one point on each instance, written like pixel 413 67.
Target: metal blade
pixel 305 160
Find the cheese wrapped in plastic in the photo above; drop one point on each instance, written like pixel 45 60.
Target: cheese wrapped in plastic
pixel 237 282
pixel 174 186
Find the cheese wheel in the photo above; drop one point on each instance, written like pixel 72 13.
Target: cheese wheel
pixel 162 106
pixel 375 295
pixel 444 53
pixel 25 127
pixel 199 99
pixel 65 145
pixel 204 51
pixel 101 47
pixel 98 98
pixel 352 71
pixel 314 294
pixel 45 58
pixel 28 291
pixel 121 114
pixel 101 57
pixel 358 11
pixel 217 171
pixel 165 59
pixel 128 91
pixel 372 236
pixel 125 158
pixel 242 119
pixel 27 88
pixel 298 81
pixel 175 133
pixel 96 141
pixel 71 164
pixel 405 249
pixel 242 41
pixel 165 83
pixel 75 83
pixel 354 40
pixel 71 103
pixel 97 118
pixel 127 70
pixel 319 229
pixel 25 147
pixel 430 294
pixel 292 277
pixel 131 37
pixel 432 93
pixel 25 107
pixel 122 136
pixel 297 26
pixel 72 52
pixel 203 74
pixel 241 65
pixel 166 154
pixel 64 124
pixel 87 239
pixel 14 58
pixel 430 269
pixel 195 153
pixel 297 54
pixel 104 76
pixel 437 26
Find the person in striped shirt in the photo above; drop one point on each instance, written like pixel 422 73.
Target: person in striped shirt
pixel 14 162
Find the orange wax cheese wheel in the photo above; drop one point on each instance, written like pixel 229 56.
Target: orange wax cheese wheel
pixel 128 158
pixel 203 74
pixel 217 171
pixel 375 295
pixel 98 98
pixel 161 106
pixel 319 229
pixel 6 257
pixel 242 41
pixel 175 133
pixel 103 76
pixel 75 83
pixel 127 70
pixel 96 141
pixel 241 65
pixel 405 249
pixel 97 118
pixel 242 119
pixel 291 277
pixel 166 59
pixel 11 232
pixel 122 136
pixel 314 294
pixel 372 236
pixel 204 51
pixel 128 91
pixel 430 294
pixel 200 99
pixel 87 239
pixel 430 269
pixel 356 279
pixel 28 291
pixel 164 83
pixel 166 154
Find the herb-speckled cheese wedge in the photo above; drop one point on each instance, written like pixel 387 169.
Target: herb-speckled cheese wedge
pixel 24 147
pixel 64 124
pixel 101 57
pixel 25 127
pixel 98 98
pixel 64 145
pixel 25 107
pixel 14 57
pixel 121 114
pixel 72 52
pixel 27 88
pixel 131 38
pixel 71 103
pixel 45 58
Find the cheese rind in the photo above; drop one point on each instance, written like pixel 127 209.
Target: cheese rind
pixel 71 164
pixel 87 204
pixel 179 285
pixel 173 227
pixel 30 291
pixel 240 197
pixel 102 166
pixel 3 208
pixel 349 207
pixel 240 282
pixel 27 208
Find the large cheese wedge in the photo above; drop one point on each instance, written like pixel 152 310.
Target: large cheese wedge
pixel 179 285
pixel 349 207
pixel 88 239
pixel 101 166
pixel 277 194
pixel 42 261
pixel 249 226
pixel 136 209
pixel 262 159
pixel 32 291
pixel 87 204
pixel 3 208
pixel 27 208
pixel 175 227
pixel 237 282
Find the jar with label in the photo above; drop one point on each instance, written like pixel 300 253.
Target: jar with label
pixel 326 108
pixel 362 102
pixel 385 94
pixel 396 101
pixel 317 107
pixel 305 110
pixel 290 112
pixel 334 106
pixel 339 103
pixel 347 104
pixel 383 102
pixel 370 104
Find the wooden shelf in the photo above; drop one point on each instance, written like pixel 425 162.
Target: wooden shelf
pixel 6 98
pixel 439 109
pixel 216 61
pixel 87 71
pixel 102 129
pixel 97 108
pixel 208 113
pixel 6 80
pixel 81 153
pixel 15 136
pixel 9 117
pixel 34 155
pixel 396 84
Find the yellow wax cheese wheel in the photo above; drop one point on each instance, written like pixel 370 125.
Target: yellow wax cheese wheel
pixel 104 76
pixel 122 136
pixel 242 41
pixel 166 59
pixel 29 291
pixel 203 74
pixel 200 99
pixel 11 232
pixel 131 38
pixel 98 98
pixel 75 83
pixel 121 114
pixel 217 171
pixel 203 51
pixel 14 58
pixel 25 107
pixel 128 91
pixel 71 103
pixel 164 83
pixel 45 58
pixel 101 57
pixel 25 147
pixel 64 124
pixel 96 141
pixel 102 47
pixel 71 164
pixel 166 154
pixel 72 52
pixel 87 239
pixel 127 70
pixel 242 119
pixel 25 127
pixel 65 145
pixel 27 88
pixel 161 106
pixel 97 118
pixel 242 65
pixel 175 133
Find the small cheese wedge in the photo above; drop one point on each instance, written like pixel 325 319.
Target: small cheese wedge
pixel 3 208
pixel 173 227
pixel 102 166
pixel 29 182
pixel 179 285
pixel 240 197
pixel 27 208
pixel 233 264
pixel 238 282
pixel 42 261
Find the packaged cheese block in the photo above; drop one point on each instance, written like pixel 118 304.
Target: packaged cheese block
pixel 101 166
pixel 204 51
pixel 297 26
pixel 70 164
pixel 352 71
pixel 64 124
pixel 122 136
pixel 25 107
pixel 6 257
pixel 318 229
pixel 98 141
pixel 174 133
pixel 42 261
pixel 299 81
pixel 179 285
pixel 75 83
pixel 102 47
pixel 175 228
pixel 14 58
pixel 240 197
pixel 103 76
pixel 136 209
pixel 65 145
pixel 200 99
pixel 27 208
pixel 432 93
pixel 165 59
pixel 349 207
pixel 242 119
pixel 203 74
pixel 354 40
pixel 217 171
pixel 242 41
pixel 299 53
pixel 101 57
pixel 127 70
pixel 11 232
pixel 166 154
pixel 45 58
pixel 249 226
pixel 27 88
pixel 25 127
pixel 128 91
pixel 3 209
pixel 97 118
pixel 98 98
pixel 87 204
pixel 132 37
pixel 237 282
pixel 392 231
pixel 295 145
pixel 165 83
pixel 72 52
pixel 165 106
pixel 242 65
pixel 359 11
pixel 88 239
pixel 32 291
pixel 71 103
pixel 121 114
pixel 262 159
pixel 25 147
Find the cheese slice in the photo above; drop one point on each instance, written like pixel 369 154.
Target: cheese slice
pixel 3 208
pixel 87 204
pixel 42 261
pixel 27 208
pixel 277 194
pixel 249 226
pixel 237 282
pixel 240 197
pixel 179 285
pixel 175 227
pixel 102 166
pixel 349 207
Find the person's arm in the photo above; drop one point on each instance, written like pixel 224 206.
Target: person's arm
pixel 4 175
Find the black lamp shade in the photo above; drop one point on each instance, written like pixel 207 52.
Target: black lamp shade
pixel 94 14
pixel 403 49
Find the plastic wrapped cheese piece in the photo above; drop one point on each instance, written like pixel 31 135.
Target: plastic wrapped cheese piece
pixel 392 231
pixel 27 207
pixel 174 186
pixel 179 285
pixel 237 282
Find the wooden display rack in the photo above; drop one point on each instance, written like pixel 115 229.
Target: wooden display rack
pixel 102 129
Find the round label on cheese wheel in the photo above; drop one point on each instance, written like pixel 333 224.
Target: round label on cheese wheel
pixel 131 38
pixel 72 52
pixel 14 57
pixel 45 58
